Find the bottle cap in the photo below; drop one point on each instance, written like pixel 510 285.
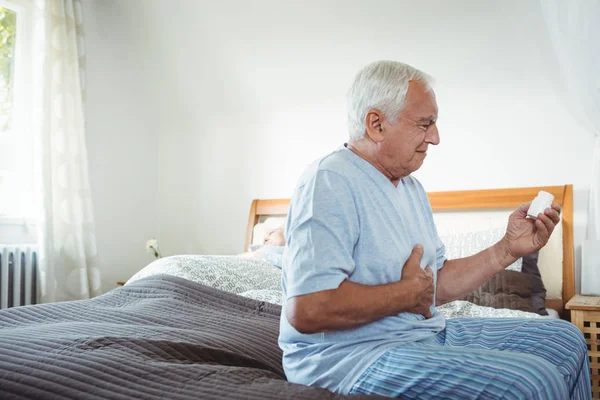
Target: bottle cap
pixel 547 197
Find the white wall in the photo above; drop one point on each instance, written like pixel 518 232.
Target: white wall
pixel 248 93
pixel 121 141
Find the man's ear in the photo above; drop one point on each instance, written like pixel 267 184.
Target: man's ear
pixel 374 125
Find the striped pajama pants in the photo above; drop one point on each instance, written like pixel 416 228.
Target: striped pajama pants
pixel 476 358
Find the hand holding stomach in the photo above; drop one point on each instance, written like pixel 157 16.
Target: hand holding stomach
pixel 422 282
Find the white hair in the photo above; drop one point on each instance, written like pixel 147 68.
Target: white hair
pixel 381 85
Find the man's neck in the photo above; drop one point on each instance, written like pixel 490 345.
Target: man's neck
pixel 364 151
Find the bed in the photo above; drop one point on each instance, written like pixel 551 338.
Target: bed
pixel 195 326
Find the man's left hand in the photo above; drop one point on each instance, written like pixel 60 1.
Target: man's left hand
pixel 525 235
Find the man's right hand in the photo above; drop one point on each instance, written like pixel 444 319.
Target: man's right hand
pixel 422 282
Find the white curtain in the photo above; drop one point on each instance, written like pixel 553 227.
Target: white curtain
pixel 574 28
pixel 65 224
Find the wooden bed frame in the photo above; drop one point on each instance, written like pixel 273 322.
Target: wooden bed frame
pixel 473 200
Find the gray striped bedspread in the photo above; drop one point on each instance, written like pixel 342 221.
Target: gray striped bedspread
pixel 161 337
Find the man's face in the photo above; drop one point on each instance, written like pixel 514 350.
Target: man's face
pixel 406 140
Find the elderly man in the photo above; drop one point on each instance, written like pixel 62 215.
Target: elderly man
pixel 364 267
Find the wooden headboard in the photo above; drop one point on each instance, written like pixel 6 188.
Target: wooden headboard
pixel 473 200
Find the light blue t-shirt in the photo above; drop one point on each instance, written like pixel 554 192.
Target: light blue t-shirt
pixel 348 221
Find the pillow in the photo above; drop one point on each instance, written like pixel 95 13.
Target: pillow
pixel 507 289
pixel 467 244
pixel 538 290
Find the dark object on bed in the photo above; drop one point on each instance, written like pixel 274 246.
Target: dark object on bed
pixel 538 290
pixel 522 291
pixel 507 289
pixel 160 337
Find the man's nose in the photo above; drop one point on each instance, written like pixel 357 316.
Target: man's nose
pixel 433 135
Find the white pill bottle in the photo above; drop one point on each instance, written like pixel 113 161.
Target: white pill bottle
pixel 542 201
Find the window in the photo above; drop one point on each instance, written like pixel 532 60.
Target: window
pixel 8 30
pixel 16 144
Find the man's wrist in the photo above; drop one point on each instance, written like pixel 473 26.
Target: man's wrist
pixel 502 255
pixel 407 300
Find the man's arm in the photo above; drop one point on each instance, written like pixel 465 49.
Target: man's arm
pixel 523 236
pixel 464 275
pixel 353 304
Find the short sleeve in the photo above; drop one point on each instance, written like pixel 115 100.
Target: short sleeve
pixel 321 232
pixel 440 252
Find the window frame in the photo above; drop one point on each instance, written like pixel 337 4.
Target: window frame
pixel 21 226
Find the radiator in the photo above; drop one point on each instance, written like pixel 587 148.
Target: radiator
pixel 18 275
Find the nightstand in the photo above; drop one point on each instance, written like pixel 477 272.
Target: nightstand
pixel 585 314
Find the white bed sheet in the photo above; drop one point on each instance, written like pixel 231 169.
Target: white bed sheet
pixel 260 280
